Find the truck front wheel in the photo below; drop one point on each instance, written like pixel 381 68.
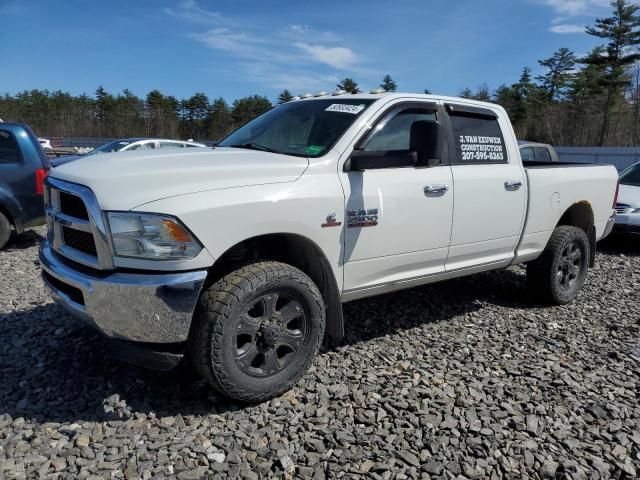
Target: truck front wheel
pixel 557 276
pixel 257 330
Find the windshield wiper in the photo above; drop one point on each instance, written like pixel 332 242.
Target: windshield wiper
pixel 255 146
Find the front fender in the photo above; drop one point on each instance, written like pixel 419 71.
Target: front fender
pixel 221 219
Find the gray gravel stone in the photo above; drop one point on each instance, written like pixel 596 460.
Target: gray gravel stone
pixel 465 379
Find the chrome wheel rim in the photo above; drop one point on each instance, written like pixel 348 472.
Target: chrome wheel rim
pixel 270 334
pixel 570 266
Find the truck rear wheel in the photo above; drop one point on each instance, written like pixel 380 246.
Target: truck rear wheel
pixel 557 276
pixel 5 230
pixel 257 330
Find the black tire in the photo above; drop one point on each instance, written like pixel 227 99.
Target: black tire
pixel 257 330
pixel 557 276
pixel 5 230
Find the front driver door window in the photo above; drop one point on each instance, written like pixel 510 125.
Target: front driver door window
pixel 406 232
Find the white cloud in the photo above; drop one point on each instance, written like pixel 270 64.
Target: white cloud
pixel 564 28
pixel 571 8
pixel 281 57
pixel 336 57
pixel 568 12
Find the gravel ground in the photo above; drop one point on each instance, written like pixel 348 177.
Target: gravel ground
pixel 465 379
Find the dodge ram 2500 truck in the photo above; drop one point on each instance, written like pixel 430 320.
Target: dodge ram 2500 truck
pixel 240 257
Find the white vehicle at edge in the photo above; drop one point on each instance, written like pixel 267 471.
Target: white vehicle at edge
pixel 241 257
pixel 628 206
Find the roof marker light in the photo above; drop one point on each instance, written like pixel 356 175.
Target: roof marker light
pixel 321 93
pixel 297 97
pixel 339 92
pixel 307 95
pixel 378 90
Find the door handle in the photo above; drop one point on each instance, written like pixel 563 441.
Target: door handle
pixel 435 190
pixel 512 185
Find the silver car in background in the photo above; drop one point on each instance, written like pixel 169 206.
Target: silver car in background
pixel 127 144
pixel 628 206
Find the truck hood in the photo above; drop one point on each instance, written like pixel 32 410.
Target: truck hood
pixel 629 195
pixel 126 180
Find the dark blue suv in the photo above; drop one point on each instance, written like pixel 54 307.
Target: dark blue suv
pixel 23 168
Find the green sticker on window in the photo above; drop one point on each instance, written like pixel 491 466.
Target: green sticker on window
pixel 313 149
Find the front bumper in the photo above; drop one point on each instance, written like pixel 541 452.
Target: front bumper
pixel 137 307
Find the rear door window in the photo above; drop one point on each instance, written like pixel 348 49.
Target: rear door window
pixel 527 154
pixel 9 149
pixel 477 136
pixel 542 154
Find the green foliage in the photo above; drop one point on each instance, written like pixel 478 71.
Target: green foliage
pixel 349 85
pixel 59 114
pixel 560 73
pixel 388 84
pixel 285 96
pixel 248 108
pixel 622 32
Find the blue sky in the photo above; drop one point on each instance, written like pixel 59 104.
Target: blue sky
pixel 233 48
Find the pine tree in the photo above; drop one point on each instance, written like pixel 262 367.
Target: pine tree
pixel 285 96
pixel 349 85
pixel 388 84
pixel 219 121
pixel 622 30
pixel 483 93
pixel 561 70
pixel 466 93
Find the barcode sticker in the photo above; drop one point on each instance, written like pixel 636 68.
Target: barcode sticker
pixel 343 108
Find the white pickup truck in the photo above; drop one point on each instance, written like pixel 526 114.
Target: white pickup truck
pixel 240 257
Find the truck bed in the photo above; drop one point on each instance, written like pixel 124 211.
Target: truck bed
pixel 554 188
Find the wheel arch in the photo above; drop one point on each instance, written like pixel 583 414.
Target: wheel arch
pixel 580 215
pixel 298 251
pixel 14 219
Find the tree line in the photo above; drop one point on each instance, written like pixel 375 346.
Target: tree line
pixel 60 114
pixel 593 100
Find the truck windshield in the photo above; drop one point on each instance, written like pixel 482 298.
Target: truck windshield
pixel 631 176
pixel 307 128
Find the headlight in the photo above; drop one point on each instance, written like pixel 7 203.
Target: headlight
pixel 150 236
pixel 637 210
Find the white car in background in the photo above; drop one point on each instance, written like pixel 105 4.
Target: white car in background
pixel 45 143
pixel 628 206
pixel 127 144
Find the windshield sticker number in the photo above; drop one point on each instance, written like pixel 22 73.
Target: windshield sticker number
pixel 343 108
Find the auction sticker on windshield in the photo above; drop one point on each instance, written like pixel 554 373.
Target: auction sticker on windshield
pixel 343 108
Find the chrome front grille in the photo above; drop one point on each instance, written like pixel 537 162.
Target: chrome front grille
pixel 76 227
pixel 621 208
